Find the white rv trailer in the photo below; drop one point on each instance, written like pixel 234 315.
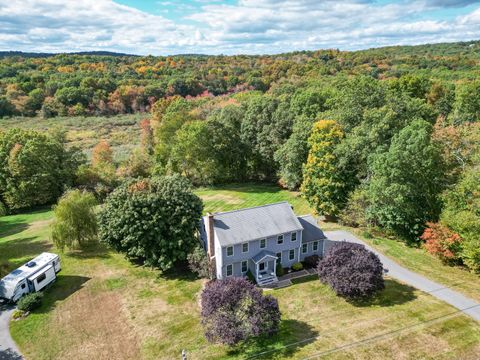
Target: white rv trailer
pixel 31 277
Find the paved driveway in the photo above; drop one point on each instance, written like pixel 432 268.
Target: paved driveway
pixel 452 297
pixel 8 349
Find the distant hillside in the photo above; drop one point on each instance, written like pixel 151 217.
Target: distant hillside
pixel 93 83
pixel 44 55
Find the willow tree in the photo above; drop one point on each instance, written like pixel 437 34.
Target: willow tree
pixel 75 224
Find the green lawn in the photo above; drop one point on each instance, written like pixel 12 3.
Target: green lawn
pixel 232 197
pixel 103 307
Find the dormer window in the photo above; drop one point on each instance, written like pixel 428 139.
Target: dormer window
pixel 245 247
pixel 294 236
pixel 230 251
pixel 280 239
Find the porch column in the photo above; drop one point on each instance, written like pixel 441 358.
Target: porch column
pixel 256 271
pixel 275 267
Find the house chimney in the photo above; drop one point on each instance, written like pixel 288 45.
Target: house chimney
pixel 210 236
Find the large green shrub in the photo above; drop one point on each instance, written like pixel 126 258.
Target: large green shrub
pixel 30 301
pixel 153 220
pixel 199 264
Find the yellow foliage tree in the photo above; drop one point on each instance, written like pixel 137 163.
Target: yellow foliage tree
pixel 324 186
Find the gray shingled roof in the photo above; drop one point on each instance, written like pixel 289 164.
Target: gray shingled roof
pixel 236 227
pixel 311 231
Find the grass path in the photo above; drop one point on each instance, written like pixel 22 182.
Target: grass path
pixel 104 307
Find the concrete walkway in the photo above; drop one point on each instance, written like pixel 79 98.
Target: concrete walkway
pixel 8 349
pixel 452 297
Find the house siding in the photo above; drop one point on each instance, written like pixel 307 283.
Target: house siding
pixel 222 260
pixel 310 250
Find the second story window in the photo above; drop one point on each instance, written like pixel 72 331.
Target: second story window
pixel 294 236
pixel 263 243
pixel 280 239
pixel 245 247
pixel 230 251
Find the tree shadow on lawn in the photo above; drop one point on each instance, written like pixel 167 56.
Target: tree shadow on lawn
pixel 92 251
pixel 395 293
pixel 292 336
pixel 179 271
pixel 28 247
pixel 249 187
pixel 62 288
pixel 8 228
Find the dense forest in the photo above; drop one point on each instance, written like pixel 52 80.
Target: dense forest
pixel 383 138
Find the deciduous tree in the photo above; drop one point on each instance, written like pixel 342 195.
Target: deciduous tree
pixel 324 185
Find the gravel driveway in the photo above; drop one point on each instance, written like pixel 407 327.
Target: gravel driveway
pixel 452 297
pixel 8 349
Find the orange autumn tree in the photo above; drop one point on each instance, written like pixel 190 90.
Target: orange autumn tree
pixel 102 154
pixel 442 242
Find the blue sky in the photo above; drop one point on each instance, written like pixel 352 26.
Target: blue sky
pixel 162 27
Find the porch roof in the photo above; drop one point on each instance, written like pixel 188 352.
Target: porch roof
pixel 262 255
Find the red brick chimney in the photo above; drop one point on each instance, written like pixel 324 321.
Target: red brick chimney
pixel 210 236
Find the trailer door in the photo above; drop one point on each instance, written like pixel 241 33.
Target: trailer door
pixel 43 278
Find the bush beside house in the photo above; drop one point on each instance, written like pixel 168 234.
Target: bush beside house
pixel 351 270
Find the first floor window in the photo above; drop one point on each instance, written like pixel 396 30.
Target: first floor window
pixel 230 251
pixel 229 270
pixel 291 255
pixel 279 258
pixel 244 266
pixel 304 248
pixel 315 245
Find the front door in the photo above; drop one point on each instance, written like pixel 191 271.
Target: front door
pixel 262 266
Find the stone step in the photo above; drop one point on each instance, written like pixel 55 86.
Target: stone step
pixel 266 281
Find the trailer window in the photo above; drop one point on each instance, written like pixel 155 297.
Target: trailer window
pixel 41 278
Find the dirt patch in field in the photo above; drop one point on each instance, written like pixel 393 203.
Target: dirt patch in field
pixel 228 199
pixel 99 326
pixel 39 224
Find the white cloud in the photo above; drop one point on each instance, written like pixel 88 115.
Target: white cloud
pixel 250 26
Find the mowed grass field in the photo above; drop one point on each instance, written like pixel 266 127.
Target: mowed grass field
pixel 103 307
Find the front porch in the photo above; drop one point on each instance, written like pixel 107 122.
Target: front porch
pixel 265 268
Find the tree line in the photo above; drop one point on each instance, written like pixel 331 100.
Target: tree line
pixel 398 154
pixel 99 84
